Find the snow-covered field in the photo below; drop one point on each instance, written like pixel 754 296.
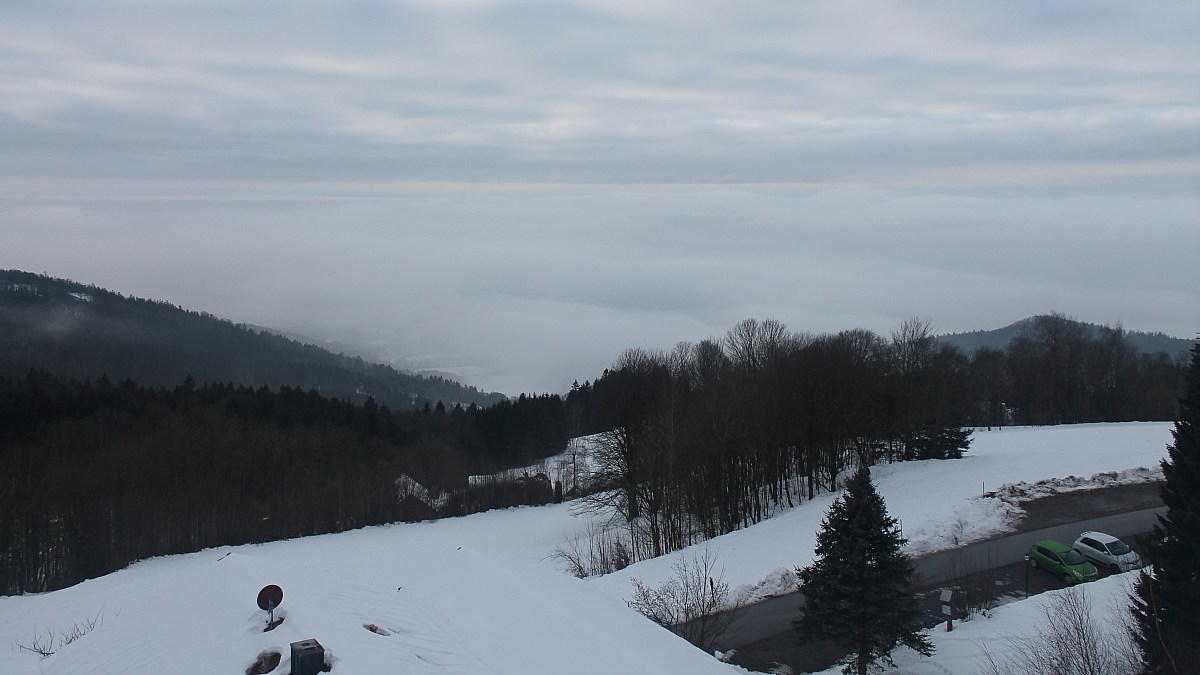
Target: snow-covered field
pixel 482 594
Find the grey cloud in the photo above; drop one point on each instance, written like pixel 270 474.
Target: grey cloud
pixel 519 190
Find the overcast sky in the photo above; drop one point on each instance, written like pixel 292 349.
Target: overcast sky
pixel 517 191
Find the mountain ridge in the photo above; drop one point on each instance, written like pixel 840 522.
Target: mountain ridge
pixel 998 338
pixel 84 331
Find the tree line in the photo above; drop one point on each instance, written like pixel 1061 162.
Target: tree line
pixel 858 594
pixel 713 436
pixel 1057 372
pixel 97 475
pixel 696 441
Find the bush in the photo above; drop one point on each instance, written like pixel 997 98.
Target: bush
pixel 596 551
pixel 694 604
pixel 1071 641
pixel 51 641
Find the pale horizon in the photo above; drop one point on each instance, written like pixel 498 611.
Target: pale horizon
pixel 515 192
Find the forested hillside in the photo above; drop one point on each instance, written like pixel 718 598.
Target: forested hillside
pixel 85 332
pixel 218 444
pixel 99 474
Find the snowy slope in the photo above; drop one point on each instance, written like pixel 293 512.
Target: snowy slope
pixel 447 609
pixel 481 594
pixel 940 503
pixel 1010 626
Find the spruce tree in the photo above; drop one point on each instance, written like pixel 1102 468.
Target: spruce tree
pixel 1166 602
pixel 858 592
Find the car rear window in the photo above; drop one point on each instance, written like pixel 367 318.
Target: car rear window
pixel 1072 557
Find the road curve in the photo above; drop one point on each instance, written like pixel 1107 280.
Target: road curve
pixel 774 616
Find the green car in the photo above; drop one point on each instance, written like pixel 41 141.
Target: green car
pixel 1061 560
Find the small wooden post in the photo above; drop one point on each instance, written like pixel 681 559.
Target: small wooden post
pixel 946 595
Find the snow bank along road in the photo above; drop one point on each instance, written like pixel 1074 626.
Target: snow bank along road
pixel 941 504
pixel 774 616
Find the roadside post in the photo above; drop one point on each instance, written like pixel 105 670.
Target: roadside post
pixel 946 595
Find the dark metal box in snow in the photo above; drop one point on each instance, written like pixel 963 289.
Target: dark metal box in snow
pixel 308 657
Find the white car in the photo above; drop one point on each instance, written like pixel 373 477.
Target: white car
pixel 1107 551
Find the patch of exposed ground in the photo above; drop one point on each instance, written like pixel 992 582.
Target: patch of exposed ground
pixel 1068 507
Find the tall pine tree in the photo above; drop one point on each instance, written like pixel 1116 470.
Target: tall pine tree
pixel 1166 603
pixel 858 592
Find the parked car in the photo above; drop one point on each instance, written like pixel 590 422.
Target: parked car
pixel 1061 560
pixel 1107 551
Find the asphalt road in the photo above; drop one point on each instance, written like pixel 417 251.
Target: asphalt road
pixel 995 557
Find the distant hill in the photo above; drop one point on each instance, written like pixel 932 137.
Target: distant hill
pixel 1148 343
pixel 85 332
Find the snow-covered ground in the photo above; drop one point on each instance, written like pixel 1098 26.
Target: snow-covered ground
pixel 482 594
pixel 940 503
pixel 459 596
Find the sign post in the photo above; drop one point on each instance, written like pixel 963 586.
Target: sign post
pixel 268 599
pixel 946 595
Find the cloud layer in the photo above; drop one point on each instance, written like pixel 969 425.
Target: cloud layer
pixel 518 190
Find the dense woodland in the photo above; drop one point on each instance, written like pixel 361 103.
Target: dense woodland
pixel 695 442
pixel 97 475
pixel 85 332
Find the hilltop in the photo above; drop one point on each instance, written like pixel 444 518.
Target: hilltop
pixel 82 331
pixel 998 338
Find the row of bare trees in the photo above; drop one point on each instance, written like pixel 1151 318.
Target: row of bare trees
pixel 1060 371
pixel 714 436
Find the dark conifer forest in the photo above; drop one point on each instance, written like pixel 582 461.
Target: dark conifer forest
pixel 99 474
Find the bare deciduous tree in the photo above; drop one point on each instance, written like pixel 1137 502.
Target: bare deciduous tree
pixel 751 344
pixel 693 604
